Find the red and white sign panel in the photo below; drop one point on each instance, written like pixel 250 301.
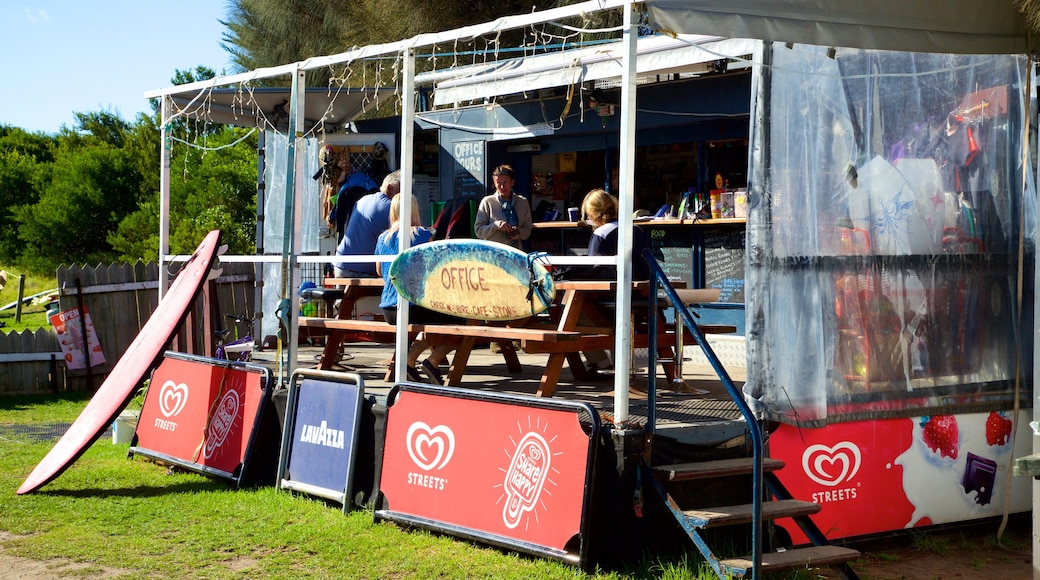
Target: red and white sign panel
pixel 512 471
pixel 891 474
pixel 69 327
pixel 200 413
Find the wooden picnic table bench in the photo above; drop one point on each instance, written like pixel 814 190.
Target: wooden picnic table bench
pixel 462 336
pixel 558 334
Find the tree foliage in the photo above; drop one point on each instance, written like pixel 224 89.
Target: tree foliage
pixel 91 188
pixel 90 193
pixel 215 189
pixel 265 33
pixel 24 162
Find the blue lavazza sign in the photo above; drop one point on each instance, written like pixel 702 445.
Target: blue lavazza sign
pixel 320 437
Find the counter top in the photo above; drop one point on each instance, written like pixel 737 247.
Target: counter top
pixel 652 222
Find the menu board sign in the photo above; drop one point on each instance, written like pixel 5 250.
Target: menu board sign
pixel 673 248
pixel 469 168
pixel 724 262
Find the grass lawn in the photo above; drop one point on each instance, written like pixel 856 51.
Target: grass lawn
pixel 146 521
pixel 116 517
pixel 34 314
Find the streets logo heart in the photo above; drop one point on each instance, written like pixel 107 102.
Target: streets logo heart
pixel 430 448
pixel 172 398
pixel 831 465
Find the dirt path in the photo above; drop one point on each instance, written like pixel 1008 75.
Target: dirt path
pixel 968 554
pixel 965 553
pixel 18 568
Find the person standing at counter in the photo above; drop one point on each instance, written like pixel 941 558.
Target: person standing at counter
pixel 504 216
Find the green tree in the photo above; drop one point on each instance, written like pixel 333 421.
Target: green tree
pixel 212 184
pixel 38 146
pixel 137 235
pixel 18 187
pixel 1031 10
pixel 91 188
pixel 99 126
pixel 215 189
pixel 25 159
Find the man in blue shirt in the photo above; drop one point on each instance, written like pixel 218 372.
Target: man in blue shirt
pixel 369 218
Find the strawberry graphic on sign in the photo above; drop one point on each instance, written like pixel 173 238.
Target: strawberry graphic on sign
pixel 941 435
pixel 998 429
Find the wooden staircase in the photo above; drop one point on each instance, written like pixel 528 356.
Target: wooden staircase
pixel 693 521
pixel 764 508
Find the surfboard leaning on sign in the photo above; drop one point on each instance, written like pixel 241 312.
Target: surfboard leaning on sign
pixel 138 360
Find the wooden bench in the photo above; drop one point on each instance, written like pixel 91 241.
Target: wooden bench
pixel 479 331
pixel 462 336
pixel 533 340
pixel 560 335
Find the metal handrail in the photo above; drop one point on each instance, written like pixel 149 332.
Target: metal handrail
pixel 657 276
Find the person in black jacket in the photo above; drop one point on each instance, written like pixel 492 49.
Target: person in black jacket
pixel 600 210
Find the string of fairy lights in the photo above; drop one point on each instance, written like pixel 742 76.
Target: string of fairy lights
pixel 371 76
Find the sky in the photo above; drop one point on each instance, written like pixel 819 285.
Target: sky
pixel 59 57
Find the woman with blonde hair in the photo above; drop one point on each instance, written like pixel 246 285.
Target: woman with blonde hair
pixel 389 244
pixel 600 210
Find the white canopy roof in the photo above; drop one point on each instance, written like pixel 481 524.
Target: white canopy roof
pixel 251 107
pixel 945 26
pixel 656 55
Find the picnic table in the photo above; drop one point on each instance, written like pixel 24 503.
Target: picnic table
pixel 561 332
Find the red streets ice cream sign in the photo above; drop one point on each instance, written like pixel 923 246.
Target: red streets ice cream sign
pixel 199 414
pixel 508 470
pixel 891 474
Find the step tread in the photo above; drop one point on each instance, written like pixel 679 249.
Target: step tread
pixel 716 468
pixel 742 514
pixel 794 558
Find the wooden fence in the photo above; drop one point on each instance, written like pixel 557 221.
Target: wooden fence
pixel 119 299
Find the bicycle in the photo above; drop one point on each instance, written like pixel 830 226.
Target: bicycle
pixel 240 347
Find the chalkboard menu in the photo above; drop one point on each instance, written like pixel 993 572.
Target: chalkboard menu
pixel 469 169
pixel 543 240
pixel 724 262
pixel 563 241
pixel 673 247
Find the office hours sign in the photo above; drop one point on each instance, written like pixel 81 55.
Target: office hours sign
pixel 470 168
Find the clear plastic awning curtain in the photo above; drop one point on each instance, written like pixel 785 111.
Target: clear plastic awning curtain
pixel 890 194
pixel 275 170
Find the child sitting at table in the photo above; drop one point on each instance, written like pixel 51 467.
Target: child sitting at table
pixel 600 210
pixel 388 244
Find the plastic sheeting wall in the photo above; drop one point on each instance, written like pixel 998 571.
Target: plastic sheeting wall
pixel 275 170
pixel 883 237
